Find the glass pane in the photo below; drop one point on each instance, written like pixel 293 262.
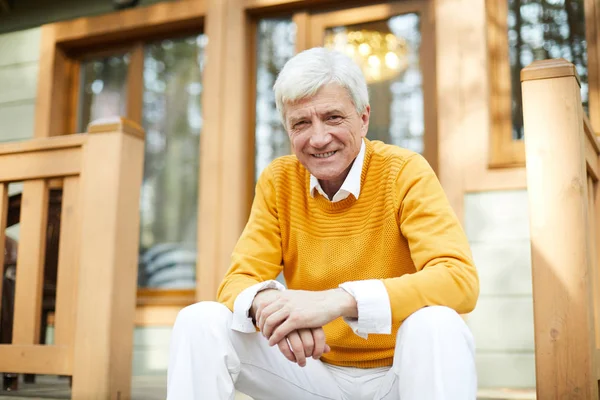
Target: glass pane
pixel 172 119
pixel 276 45
pixel 388 54
pixel 103 89
pixel 543 29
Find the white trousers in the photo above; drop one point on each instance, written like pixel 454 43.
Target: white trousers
pixel 434 359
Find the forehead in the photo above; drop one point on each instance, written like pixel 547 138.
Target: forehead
pixel 329 97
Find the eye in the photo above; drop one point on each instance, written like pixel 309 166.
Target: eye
pixel 299 124
pixel 334 118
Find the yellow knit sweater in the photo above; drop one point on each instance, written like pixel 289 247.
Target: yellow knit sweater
pixel 400 230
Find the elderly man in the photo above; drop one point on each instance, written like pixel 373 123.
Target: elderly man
pixel 376 264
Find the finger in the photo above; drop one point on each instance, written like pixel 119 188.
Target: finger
pixel 281 331
pixel 297 348
pixel 319 339
pixel 285 349
pixel 307 341
pixel 327 349
pixel 266 312
pixel 273 322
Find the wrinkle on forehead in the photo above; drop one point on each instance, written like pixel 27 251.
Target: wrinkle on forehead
pixel 328 99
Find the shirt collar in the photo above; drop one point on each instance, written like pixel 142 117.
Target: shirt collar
pixel 351 184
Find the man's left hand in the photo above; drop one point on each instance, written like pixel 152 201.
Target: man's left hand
pixel 298 309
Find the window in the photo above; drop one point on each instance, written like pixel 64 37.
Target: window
pixel 520 32
pixel 103 88
pixel 388 53
pixel 164 89
pixel 275 46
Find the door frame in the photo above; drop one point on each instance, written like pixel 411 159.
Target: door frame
pixel 317 23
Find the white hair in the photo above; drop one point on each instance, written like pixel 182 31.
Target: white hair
pixel 305 73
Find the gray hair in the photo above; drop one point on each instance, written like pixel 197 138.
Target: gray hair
pixel 305 73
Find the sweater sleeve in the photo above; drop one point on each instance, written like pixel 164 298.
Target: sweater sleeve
pixel 257 256
pixel 439 248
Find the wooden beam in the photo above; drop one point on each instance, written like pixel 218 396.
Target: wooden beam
pixel 68 263
pixel 30 262
pixel 302 22
pixel 131 24
pixel 38 165
pixel 36 359
pixel 592 149
pixel 209 204
pixel 592 35
pixel 117 124
pixel 235 157
pixel 565 347
pixel 52 115
pixel 281 6
pixel 110 183
pixel 41 145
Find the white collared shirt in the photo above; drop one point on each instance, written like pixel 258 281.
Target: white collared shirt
pixel 351 184
pixel 372 300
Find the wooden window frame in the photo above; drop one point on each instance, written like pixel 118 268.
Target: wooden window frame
pixel 318 23
pixel 61 48
pixel 504 150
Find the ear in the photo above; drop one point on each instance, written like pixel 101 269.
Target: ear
pixel 364 117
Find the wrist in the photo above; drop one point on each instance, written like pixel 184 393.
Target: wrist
pixel 346 303
pixel 258 298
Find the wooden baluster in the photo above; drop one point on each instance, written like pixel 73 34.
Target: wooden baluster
pixel 30 262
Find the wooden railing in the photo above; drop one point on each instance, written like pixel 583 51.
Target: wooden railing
pixel 101 174
pixel 563 169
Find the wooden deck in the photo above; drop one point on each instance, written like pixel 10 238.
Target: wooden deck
pixel 155 388
pixel 55 388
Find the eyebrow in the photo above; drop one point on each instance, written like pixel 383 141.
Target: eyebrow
pixel 294 120
pixel 333 111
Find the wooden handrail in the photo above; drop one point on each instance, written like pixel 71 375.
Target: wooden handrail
pixel 101 174
pixel 40 145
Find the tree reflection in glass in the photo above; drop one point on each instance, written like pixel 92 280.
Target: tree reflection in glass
pixel 544 29
pixel 276 45
pixel 172 119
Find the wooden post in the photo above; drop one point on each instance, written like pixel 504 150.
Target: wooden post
pixel 110 184
pixel 211 174
pixel 557 189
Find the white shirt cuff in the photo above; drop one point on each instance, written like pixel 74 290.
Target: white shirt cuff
pixel 374 310
pixel 242 321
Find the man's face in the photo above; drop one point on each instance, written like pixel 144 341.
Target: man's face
pixel 326 132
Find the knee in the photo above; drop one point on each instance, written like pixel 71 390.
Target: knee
pixel 206 315
pixel 433 321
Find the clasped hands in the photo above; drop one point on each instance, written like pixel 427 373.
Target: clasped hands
pixel 294 319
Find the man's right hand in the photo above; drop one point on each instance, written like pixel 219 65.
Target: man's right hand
pixel 298 345
pixel 304 343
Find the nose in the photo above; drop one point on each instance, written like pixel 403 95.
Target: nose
pixel 320 137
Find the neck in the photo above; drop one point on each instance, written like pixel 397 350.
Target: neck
pixel 331 187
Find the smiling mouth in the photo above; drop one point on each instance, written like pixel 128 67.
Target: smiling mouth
pixel 324 155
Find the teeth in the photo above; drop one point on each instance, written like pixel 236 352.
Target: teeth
pixel 324 155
